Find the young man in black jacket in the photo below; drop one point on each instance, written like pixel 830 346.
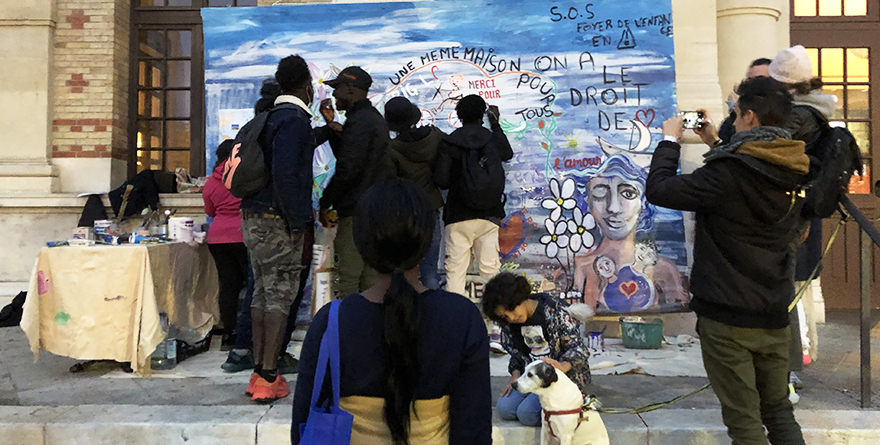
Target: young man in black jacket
pixel 361 161
pixel 467 227
pixel 747 227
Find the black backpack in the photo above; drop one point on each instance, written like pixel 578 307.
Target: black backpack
pixel 482 178
pixel 834 157
pixel 246 172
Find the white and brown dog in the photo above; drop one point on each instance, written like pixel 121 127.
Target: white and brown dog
pixel 567 420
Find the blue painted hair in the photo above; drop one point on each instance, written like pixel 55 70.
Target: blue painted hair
pixel 621 166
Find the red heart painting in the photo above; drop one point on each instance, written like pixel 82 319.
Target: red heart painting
pixel 645 116
pixel 629 288
pixel 511 234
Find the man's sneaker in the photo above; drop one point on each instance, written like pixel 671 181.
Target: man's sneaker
pixel 265 392
pixel 252 384
pixel 237 363
pixel 795 382
pixel 287 364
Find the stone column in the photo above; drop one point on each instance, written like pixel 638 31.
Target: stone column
pixel 27 27
pixel 747 30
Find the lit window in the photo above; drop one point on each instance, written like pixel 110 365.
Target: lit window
pixel 830 8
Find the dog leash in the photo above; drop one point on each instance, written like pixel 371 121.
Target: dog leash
pixel 651 407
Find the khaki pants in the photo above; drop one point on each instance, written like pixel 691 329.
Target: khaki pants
pixel 477 234
pixel 354 275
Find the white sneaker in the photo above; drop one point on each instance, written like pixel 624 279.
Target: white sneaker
pixel 793 396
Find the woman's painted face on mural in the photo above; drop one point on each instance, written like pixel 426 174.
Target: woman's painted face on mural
pixel 605 267
pixel 616 204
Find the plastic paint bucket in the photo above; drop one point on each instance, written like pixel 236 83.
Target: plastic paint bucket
pixel 180 228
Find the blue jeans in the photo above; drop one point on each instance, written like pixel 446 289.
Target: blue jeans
pixel 518 406
pixel 428 274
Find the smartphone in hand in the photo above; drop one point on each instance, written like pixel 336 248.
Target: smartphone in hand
pixel 692 119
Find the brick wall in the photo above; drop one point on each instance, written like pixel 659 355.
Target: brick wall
pixel 90 89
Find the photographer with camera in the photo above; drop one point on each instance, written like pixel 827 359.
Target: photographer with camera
pixel 747 226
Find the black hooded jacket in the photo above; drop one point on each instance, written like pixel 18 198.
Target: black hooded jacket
pixel 747 226
pixel 447 171
pixel 413 158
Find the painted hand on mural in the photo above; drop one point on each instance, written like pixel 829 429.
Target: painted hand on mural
pixel 561 199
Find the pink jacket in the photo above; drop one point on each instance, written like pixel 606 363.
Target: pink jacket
pixel 224 208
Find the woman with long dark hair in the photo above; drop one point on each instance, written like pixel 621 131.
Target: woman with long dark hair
pixel 414 361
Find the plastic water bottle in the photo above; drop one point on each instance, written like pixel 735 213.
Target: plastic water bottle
pixel 165 355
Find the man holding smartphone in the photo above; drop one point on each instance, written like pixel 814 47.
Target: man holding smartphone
pixel 747 227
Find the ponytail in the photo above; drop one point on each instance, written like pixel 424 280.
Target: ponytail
pixel 401 338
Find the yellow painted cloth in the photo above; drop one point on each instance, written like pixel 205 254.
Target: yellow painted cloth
pixel 103 302
pixel 431 427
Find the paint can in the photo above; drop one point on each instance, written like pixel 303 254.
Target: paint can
pixel 180 228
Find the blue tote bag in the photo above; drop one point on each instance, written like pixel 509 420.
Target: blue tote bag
pixel 327 424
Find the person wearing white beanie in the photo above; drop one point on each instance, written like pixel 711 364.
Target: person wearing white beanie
pixel 810 113
pixel 792 65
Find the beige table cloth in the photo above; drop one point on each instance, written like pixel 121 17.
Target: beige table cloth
pixel 103 302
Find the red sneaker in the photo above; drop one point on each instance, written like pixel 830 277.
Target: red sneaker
pixel 265 392
pixel 251 384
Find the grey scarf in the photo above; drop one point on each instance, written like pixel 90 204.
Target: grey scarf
pixel 759 134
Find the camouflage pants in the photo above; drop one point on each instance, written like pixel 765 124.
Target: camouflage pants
pixel 275 260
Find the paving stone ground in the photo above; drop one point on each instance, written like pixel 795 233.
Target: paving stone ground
pixel 832 385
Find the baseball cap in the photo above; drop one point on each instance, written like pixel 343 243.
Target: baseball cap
pixel 354 76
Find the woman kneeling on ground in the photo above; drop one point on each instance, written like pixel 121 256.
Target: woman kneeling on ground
pixel 414 361
pixel 533 327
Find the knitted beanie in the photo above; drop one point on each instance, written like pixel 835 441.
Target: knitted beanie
pixel 792 65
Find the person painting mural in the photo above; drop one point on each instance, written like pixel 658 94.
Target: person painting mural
pixel 621 274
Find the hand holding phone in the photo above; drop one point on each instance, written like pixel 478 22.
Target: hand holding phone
pixel 692 120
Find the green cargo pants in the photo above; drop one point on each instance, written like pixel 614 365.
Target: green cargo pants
pixel 354 275
pixel 748 369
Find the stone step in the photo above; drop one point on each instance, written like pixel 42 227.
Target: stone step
pixel 270 425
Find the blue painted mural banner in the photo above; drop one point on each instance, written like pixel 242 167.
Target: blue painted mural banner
pixel 582 88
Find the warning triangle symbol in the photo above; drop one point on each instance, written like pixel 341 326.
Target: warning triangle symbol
pixel 627 40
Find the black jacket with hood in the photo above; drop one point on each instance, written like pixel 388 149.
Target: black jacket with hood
pixel 447 172
pixel 809 116
pixel 747 225
pixel 414 160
